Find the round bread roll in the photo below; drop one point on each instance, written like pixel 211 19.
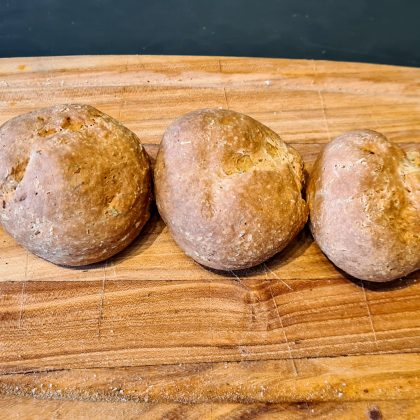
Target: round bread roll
pixel 75 185
pixel 364 199
pixel 228 188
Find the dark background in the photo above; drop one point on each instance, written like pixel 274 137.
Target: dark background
pixel 375 31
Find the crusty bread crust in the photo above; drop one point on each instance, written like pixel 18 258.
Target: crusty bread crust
pixel 364 199
pixel 75 184
pixel 228 188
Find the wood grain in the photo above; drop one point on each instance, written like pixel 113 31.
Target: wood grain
pixel 130 323
pixel 321 379
pixel 165 330
pixel 28 408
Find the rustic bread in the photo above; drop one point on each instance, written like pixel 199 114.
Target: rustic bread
pixel 364 199
pixel 74 184
pixel 228 188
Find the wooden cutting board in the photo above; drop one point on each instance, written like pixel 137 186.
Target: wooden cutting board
pixel 154 330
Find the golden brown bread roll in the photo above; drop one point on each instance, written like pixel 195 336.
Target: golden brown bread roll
pixel 74 184
pixel 364 199
pixel 228 188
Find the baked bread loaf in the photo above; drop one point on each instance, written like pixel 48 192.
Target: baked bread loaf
pixel 228 188
pixel 364 199
pixel 75 185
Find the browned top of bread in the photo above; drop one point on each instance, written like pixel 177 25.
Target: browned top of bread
pixel 228 188
pixel 364 197
pixel 74 183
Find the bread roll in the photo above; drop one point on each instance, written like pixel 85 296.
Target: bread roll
pixel 74 184
pixel 228 188
pixel 364 198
